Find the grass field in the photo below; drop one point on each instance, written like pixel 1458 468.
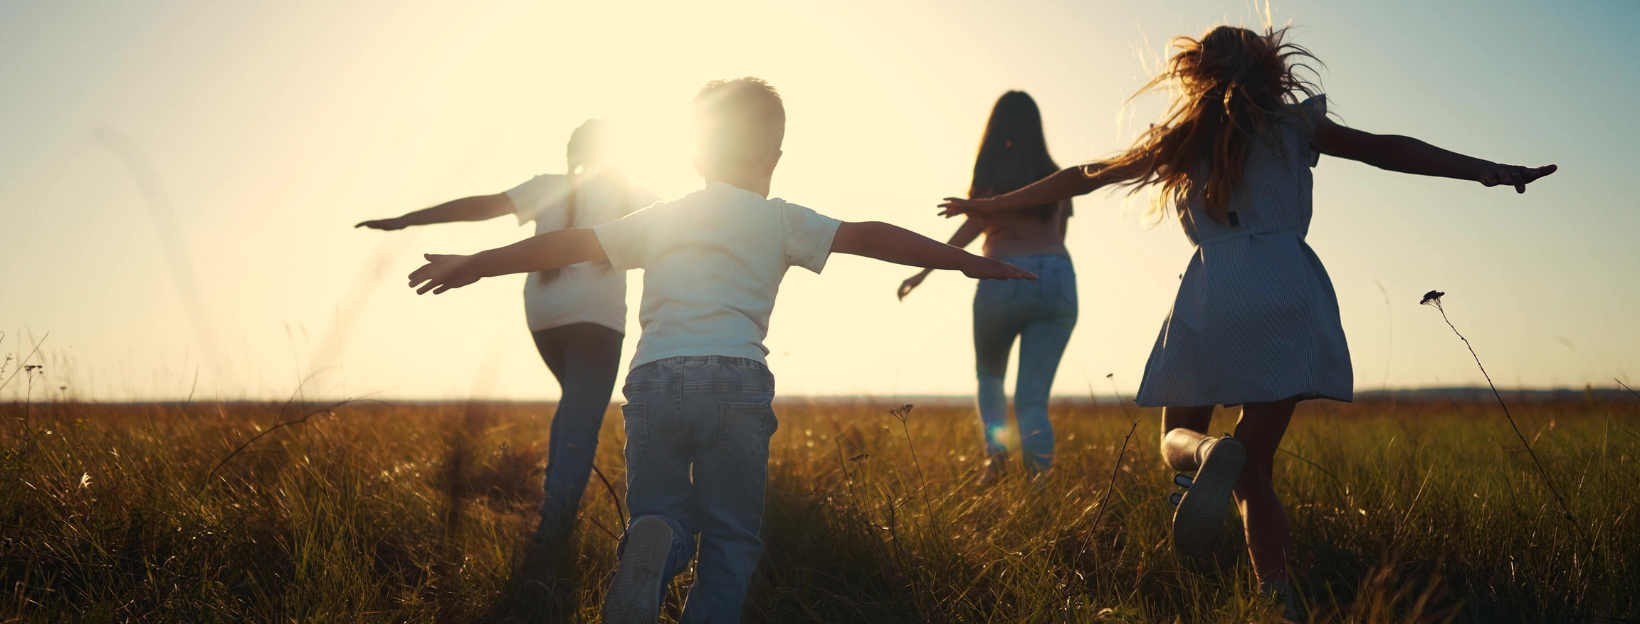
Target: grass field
pixel 407 513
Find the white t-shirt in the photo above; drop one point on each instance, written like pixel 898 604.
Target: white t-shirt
pixel 712 263
pixel 589 292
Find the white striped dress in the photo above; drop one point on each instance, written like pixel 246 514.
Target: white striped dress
pixel 1256 318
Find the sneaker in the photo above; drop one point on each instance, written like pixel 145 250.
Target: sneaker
pixel 635 591
pixel 1199 519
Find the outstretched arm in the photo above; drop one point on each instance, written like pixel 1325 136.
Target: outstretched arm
pixel 1061 185
pixel 965 235
pixel 475 208
pixel 1409 155
pixel 542 252
pixel 901 246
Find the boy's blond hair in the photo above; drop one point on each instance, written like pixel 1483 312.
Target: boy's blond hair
pixel 738 123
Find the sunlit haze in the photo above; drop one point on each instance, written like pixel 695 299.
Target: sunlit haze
pixel 179 181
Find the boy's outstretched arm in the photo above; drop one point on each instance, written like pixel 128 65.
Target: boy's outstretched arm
pixel 1058 186
pixel 964 236
pixel 475 208
pixel 1409 155
pixel 901 246
pixel 542 252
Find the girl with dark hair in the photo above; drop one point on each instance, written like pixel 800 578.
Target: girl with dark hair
pixel 576 314
pixel 1256 321
pixel 1040 314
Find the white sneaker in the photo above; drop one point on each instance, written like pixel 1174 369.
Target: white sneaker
pixel 1199 519
pixel 635 591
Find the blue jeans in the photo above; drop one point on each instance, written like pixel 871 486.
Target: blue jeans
pixel 697 455
pixel 1041 314
pixel 585 357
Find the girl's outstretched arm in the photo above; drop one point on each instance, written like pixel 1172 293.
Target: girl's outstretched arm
pixel 542 252
pixel 1061 185
pixel 1409 155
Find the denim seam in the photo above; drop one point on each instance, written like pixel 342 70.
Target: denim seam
pixel 641 419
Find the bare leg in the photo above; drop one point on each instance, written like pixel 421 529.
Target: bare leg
pixel 1260 429
pixel 1183 431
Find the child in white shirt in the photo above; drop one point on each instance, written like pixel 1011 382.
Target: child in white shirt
pixel 576 314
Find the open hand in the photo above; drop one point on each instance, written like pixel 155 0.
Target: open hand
pixel 1515 175
pixel 981 267
pixel 911 284
pixel 442 273
pixel 382 224
pixel 954 206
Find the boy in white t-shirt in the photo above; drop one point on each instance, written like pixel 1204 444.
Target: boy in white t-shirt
pixel 576 314
pixel 698 414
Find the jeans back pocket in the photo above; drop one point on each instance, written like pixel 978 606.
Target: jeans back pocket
pixel 744 430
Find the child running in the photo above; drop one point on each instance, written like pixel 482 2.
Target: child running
pixel 1040 315
pixel 698 412
pixel 577 314
pixel 1255 322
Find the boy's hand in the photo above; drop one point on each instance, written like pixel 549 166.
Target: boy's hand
pixel 442 273
pixel 954 206
pixel 981 267
pixel 382 224
pixel 1514 175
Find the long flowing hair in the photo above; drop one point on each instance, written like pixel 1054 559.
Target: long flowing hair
pixel 1231 87
pixel 1013 153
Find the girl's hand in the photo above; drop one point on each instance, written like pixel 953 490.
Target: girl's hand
pixel 382 224
pixel 981 267
pixel 1514 175
pixel 954 206
pixel 912 283
pixel 442 273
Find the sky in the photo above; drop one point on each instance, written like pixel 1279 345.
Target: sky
pixel 179 180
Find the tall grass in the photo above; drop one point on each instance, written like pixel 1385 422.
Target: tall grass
pixel 421 512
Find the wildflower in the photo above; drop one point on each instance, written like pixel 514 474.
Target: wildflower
pixel 1433 298
pixel 900 413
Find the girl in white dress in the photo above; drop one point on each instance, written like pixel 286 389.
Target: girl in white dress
pixel 1255 322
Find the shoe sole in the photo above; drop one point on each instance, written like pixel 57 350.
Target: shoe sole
pixel 635 591
pixel 1200 517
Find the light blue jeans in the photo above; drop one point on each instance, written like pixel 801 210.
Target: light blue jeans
pixel 697 455
pixel 1041 314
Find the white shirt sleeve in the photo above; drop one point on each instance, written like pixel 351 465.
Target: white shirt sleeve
pixel 626 240
pixel 540 199
pixel 808 235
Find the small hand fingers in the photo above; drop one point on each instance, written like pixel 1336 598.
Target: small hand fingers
pixel 1490 178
